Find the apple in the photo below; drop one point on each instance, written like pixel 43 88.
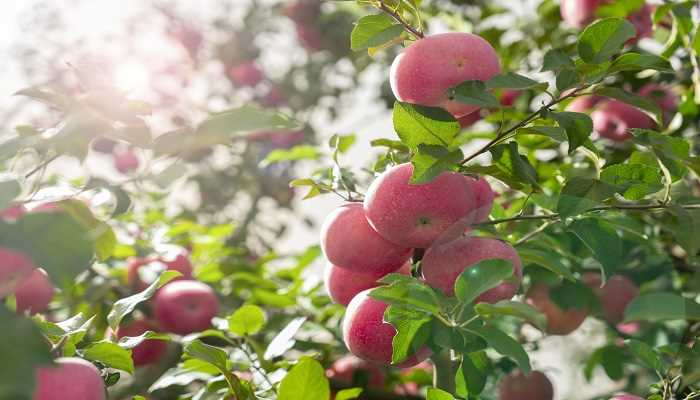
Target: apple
pixel 613 118
pixel 625 396
pixel 663 96
pixel 518 386
pixel 484 196
pixel 415 215
pixel 13 213
pixel 349 242
pixel 343 284
pixel 126 161
pixel 246 73
pixel 559 321
pixel 185 307
pixel 616 295
pixel 309 37
pixel 354 371
pixel 15 269
pixel 579 13
pixel 71 378
pixel 443 263
pixel 180 262
pixel 642 21
pixel 148 351
pixel 509 96
pixel 427 69
pixel 368 337
pixel 274 97
pixel 583 104
pixel 142 271
pixel 35 293
pixel 469 119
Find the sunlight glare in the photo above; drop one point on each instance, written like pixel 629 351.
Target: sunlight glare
pixel 131 75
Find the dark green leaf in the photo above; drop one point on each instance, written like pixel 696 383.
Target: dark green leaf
pixel 418 125
pixel 638 62
pixel 372 31
pixel 474 93
pixel 646 354
pixel 602 240
pixel 514 309
pixel 504 344
pixel 513 81
pixel 412 331
pixel 507 158
pixel 111 355
pixel 472 373
pixel 582 194
pixel 662 307
pixel 432 160
pixel 602 39
pixel 547 259
pixel 414 294
pixel 481 277
pixel 578 127
pixel 634 181
pixel 555 60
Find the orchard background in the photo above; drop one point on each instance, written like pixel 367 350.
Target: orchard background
pixel 191 194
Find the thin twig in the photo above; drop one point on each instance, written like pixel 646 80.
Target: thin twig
pixel 415 32
pixel 41 166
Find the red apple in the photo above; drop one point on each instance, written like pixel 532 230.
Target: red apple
pixel 13 213
pixel 616 295
pixel 126 161
pixel 518 386
pixel 484 197
pixel 663 96
pixel 180 262
pixel 613 118
pixel 348 368
pixel 443 263
pixel 148 351
pixel 309 37
pixel 416 215
pixel 15 269
pixel 559 321
pixel 246 73
pixel 35 293
pixel 509 96
pixel 625 396
pixel 642 21
pixel 349 242
pixel 185 307
pixel 343 284
pixel 579 13
pixel 583 104
pixel 367 336
pixel 469 119
pixel 72 378
pixel 428 68
pixel 274 97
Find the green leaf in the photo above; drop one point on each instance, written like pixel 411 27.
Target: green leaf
pixel 414 294
pixel 639 62
pixel 611 358
pixel 348 394
pixel 129 342
pixel 211 354
pixel 670 150
pixel 101 234
pixel 23 349
pixel 516 166
pixel 514 309
pixel 634 181
pixel 305 381
pixel 472 373
pixel 9 190
pixel 685 225
pixel 342 143
pixel 603 38
pixel 438 394
pixel 581 194
pixel 373 31
pixel 566 78
pixel 640 102
pixel 111 355
pixel 556 60
pixel 125 306
pixel 296 153
pixel 432 160
pixel 662 307
pixel 247 320
pixel 578 127
pixel 284 340
pixel 602 240
pixel 513 81
pixel 504 344
pixel 412 331
pixel 418 125
pixel 646 354
pixel 546 259
pixel 243 119
pixel 474 93
pixel 554 132
pixel 480 277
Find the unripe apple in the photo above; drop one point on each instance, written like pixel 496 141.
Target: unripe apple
pixel 349 242
pixel 15 269
pixel 559 321
pixel 413 215
pixel 72 378
pixel 246 73
pixel 367 336
pixel 427 69
pixel 126 161
pixel 617 294
pixel 579 13
pixel 518 386
pixel 185 307
pixel 148 351
pixel 443 263
pixel 625 396
pixel 613 118
pixel 663 96
pixel 344 284
pixel 354 371
pixel 35 293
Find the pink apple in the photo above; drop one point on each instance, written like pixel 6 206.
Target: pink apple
pixel 443 263
pixel 584 104
pixel 469 119
pixel 484 196
pixel 185 307
pixel 15 269
pixel 126 161
pixel 509 96
pixel 427 69
pixel 559 321
pixel 346 370
pixel 625 396
pixel 274 97
pixel 148 351
pixel 613 118
pixel 344 284
pixel 579 13
pixel 349 242
pixel 246 73
pixel 663 96
pixel 72 378
pixel 367 336
pixel 413 215
pixel 617 294
pixel 12 214
pixel 518 386
pixel 642 21
pixel 35 293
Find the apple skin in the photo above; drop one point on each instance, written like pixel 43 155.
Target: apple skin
pixel 613 118
pixel 625 396
pixel 368 337
pixel 442 264
pixel 73 378
pixel 343 284
pixel 642 21
pixel 579 13
pixel 559 321
pixel 416 215
pixel 584 104
pixel 509 96
pixel 663 96
pixel 15 269
pixel 126 161
pixel 185 307
pixel 428 68
pixel 246 73
pixel 518 386
pixel 12 213
pixel 149 351
pixel 484 196
pixel 35 293
pixel 346 368
pixel 469 119
pixel 274 97
pixel 180 263
pixel 616 295
pixel 349 242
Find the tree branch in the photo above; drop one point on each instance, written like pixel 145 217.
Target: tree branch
pixel 415 32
